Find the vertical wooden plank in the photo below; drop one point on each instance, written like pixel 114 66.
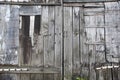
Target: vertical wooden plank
pixel 75 34
pixel 50 55
pixel 31 31
pixel 91 53
pixel 118 17
pixel 118 39
pixel 58 40
pixel 99 75
pixel 111 20
pixel 107 74
pixel 48 76
pixel 2 32
pixel 40 50
pixel 20 39
pixel 84 53
pixel 11 38
pixel 49 38
pixel 38 53
pixel 51 46
pixel 38 56
pixel 36 77
pixel 18 77
pixel 118 74
pixel 47 51
pixel 45 26
pixel 8 77
pixel 67 43
pixel 44 34
pixel 115 74
pixel 25 77
pixel 90 35
pixel 83 47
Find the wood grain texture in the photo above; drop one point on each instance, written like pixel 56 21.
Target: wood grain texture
pixel 50 56
pixel 9 38
pixel 67 43
pixel 91 53
pixel 8 77
pixel 37 43
pixel 38 55
pixel 94 19
pixel 75 41
pixel 25 77
pixel 51 36
pixel 36 77
pixel 112 39
pixel 58 41
pixel 45 32
pixel 83 48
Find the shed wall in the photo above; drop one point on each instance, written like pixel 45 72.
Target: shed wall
pixel 75 35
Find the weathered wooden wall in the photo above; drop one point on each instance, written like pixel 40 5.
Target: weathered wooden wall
pixel 81 33
pixel 47 44
pixel 42 49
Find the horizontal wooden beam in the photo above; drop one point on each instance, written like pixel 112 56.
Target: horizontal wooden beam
pixel 97 26
pixel 107 67
pixel 95 43
pixel 73 4
pixel 30 4
pixel 85 1
pixel 28 69
pixel 29 72
pixel 84 5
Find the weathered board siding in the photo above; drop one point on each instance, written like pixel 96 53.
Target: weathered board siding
pixel 9 37
pixel 90 36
